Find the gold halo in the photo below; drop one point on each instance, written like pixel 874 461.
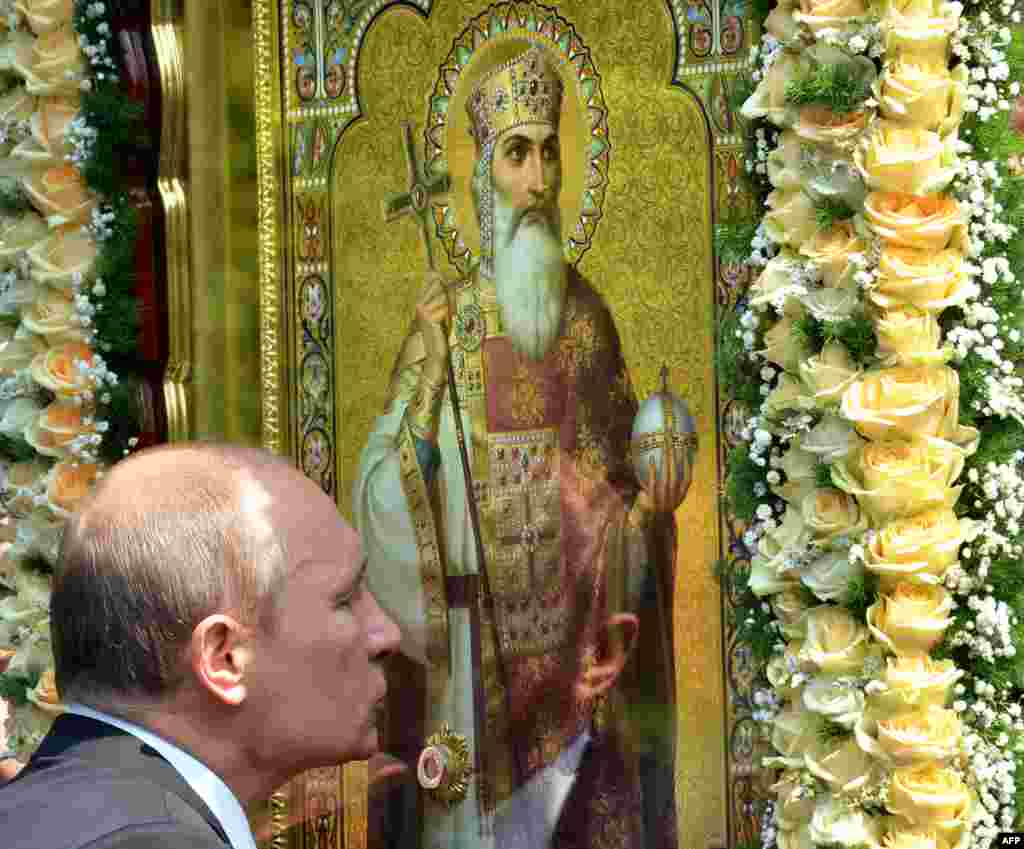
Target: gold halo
pixel 460 148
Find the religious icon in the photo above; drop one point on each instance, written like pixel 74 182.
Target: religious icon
pixel 526 559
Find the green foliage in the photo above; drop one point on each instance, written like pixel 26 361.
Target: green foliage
pixel 757 628
pixel 973 372
pixel 760 10
pixel 856 334
pixel 829 211
pixel 123 413
pixel 15 449
pixel 741 476
pixel 809 333
pixel 822 475
pixel 837 86
pixel 861 593
pixel 14 686
pixel 120 126
pixel 735 371
pixel 732 239
pixel 830 732
pixel 12 198
pixel 742 88
pixel 117 323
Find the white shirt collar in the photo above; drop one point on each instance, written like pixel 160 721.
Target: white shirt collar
pixel 207 785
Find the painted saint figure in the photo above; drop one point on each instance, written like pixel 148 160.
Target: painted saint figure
pixel 529 671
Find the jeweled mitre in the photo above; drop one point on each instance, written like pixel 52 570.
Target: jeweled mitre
pixel 525 90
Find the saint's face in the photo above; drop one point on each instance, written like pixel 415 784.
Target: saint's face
pixel 527 172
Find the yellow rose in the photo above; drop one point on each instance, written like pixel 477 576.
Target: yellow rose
pixel 788 394
pixel 836 642
pixel 893 479
pixel 829 14
pixel 783 348
pixel 911 838
pixel 800 467
pixel 55 65
pixel 909 336
pixel 774 285
pixel 61 191
pixel 50 122
pixel 844 767
pixel 893 158
pixel 910 618
pixel 931 796
pixel 69 483
pixel 923 94
pixel 926 279
pixel 915 737
pixel 46 15
pixel 20 233
pixel 60 259
pixel 45 695
pixel 829 373
pixel 794 730
pixel 769 98
pixel 53 316
pixel 919 548
pixel 60 368
pixel 928 223
pixel 836 699
pixel 794 804
pixel 914 683
pixel 821 126
pixel 17 353
pixel 53 430
pixel 784 162
pixel 908 402
pixel 792 218
pixel 830 513
pixel 830 251
pixel 920 29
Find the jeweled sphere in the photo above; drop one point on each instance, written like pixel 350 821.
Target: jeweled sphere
pixel 663 424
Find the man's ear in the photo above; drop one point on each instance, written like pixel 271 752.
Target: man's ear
pixel 220 655
pixel 599 676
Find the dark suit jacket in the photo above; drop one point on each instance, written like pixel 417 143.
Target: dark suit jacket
pixel 92 786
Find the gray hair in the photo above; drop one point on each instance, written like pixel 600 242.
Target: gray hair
pixel 170 537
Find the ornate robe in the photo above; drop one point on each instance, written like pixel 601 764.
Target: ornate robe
pixel 549 454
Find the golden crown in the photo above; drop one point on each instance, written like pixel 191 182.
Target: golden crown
pixel 525 90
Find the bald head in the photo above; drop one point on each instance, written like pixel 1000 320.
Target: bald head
pixel 171 536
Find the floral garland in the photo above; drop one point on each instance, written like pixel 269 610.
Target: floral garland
pixel 881 471
pixel 68 316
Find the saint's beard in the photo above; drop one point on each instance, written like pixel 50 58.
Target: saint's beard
pixel 529 276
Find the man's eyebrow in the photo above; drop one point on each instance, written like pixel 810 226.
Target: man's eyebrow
pixel 515 139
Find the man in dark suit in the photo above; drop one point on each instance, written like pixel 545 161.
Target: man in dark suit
pixel 213 637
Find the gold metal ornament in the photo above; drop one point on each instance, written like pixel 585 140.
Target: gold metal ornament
pixel 444 768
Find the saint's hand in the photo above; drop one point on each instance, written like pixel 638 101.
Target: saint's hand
pixel 432 313
pixel 665 490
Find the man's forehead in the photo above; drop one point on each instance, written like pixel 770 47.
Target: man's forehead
pixel 535 133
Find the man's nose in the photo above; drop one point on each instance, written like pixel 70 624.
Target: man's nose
pixel 384 634
pixel 536 181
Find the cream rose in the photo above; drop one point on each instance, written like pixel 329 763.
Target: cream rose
pixel 909 837
pixel 793 731
pixel 910 618
pixel 69 483
pixel 56 63
pixel 843 766
pixel 20 233
pixel 792 218
pixel 830 439
pixel 819 125
pixel 61 192
pixel 769 98
pixel 928 223
pixel 918 548
pixel 17 353
pixel 59 260
pixel 829 14
pixel 932 796
pixel 926 279
pixel 830 251
pixel 53 316
pixel 830 513
pixel 895 479
pixel 26 476
pixel 923 94
pixel 768 570
pixel 829 373
pixel 795 838
pixel 56 427
pixel 915 737
pixel 829 576
pixel 49 124
pixel 61 369
pixel 893 158
pixel 788 394
pixel 835 823
pixel 783 349
pixel 837 699
pixel 794 804
pixel 784 162
pixel 46 15
pixel 775 286
pixel 782 667
pixel 800 467
pixel 790 607
pixel 913 683
pixel 835 642
pixel 909 336
pixel 908 402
